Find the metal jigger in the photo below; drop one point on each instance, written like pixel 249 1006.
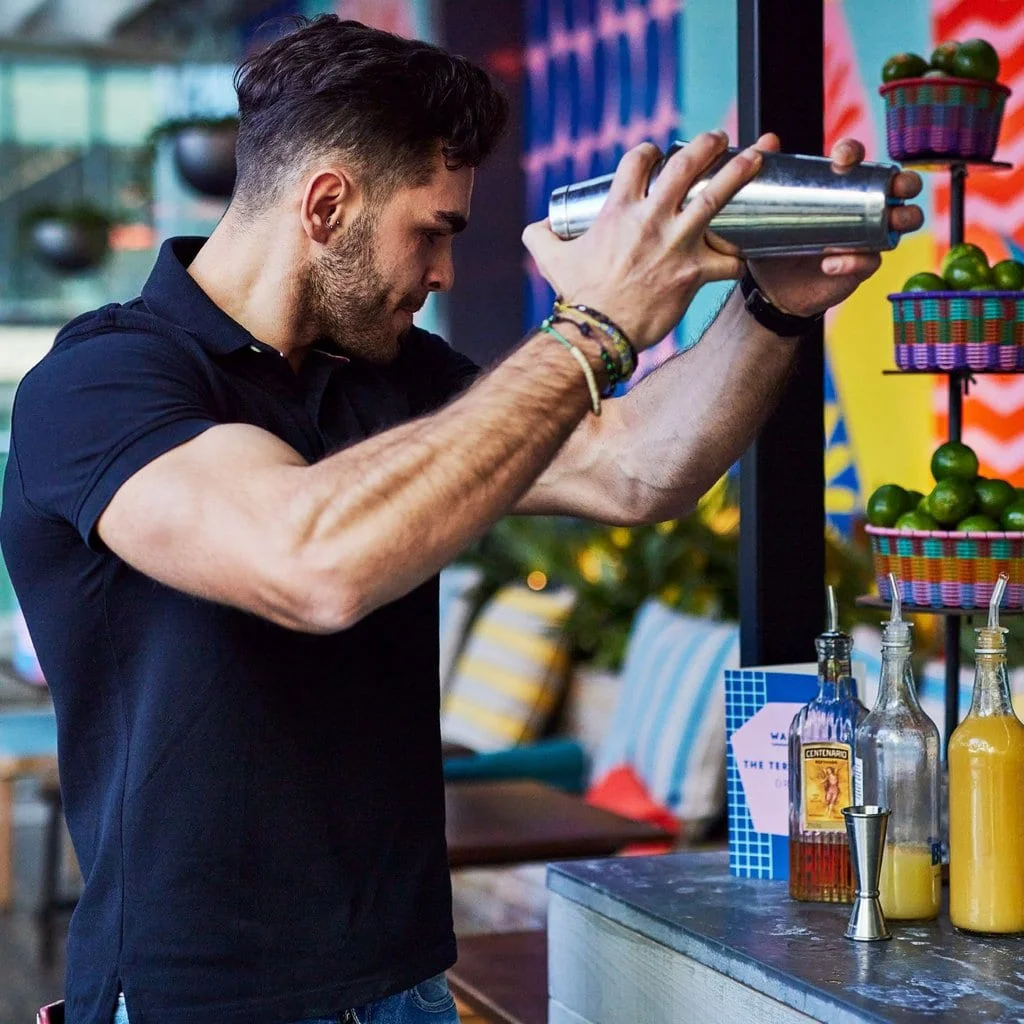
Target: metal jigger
pixel 866 828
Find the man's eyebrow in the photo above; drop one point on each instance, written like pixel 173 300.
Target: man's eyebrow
pixel 455 221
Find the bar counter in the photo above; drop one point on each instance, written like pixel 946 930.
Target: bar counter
pixel 675 938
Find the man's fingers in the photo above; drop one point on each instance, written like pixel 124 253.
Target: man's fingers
pixel 718 191
pixel 906 185
pixel 769 143
pixel 633 174
pixel 905 218
pixel 859 265
pixel 846 153
pixel 682 169
pixel 720 267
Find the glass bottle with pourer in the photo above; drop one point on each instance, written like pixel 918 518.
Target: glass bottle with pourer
pixel 986 795
pixel 821 774
pixel 897 766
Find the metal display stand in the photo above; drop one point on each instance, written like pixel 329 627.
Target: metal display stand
pixel 958 383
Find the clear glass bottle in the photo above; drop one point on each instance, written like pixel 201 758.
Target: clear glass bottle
pixel 897 766
pixel 820 775
pixel 986 796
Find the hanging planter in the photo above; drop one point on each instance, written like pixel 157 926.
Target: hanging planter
pixel 69 238
pixel 204 152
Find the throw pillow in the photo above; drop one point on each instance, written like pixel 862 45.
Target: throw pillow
pixel 512 670
pixel 669 723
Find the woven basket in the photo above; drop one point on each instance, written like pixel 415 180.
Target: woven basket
pixel 948 568
pixel 943 117
pixel 958 330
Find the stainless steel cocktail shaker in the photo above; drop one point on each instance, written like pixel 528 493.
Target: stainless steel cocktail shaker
pixel 796 206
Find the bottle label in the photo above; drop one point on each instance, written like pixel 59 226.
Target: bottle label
pixel 826 774
pixel 858 780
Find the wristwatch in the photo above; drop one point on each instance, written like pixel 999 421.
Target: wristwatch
pixel 785 325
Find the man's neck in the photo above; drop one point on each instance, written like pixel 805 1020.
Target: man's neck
pixel 251 275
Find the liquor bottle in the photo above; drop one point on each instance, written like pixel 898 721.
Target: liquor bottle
pixel 820 775
pixel 986 796
pixel 897 766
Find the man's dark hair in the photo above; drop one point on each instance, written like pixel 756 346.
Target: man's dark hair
pixel 382 101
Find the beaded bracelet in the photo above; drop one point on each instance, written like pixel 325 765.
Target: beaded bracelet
pixel 588 372
pixel 612 365
pixel 620 341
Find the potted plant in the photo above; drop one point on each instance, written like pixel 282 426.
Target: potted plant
pixel 69 237
pixel 203 149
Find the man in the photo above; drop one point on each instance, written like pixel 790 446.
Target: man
pixel 227 502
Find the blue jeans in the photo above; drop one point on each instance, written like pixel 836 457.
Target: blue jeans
pixel 429 1002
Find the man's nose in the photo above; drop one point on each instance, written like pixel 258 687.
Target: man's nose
pixel 441 273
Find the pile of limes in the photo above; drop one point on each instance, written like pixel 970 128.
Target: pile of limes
pixel 960 500
pixel 975 59
pixel 965 268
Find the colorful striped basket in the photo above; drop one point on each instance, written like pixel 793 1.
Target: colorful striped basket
pixel 948 568
pixel 943 117
pixel 958 330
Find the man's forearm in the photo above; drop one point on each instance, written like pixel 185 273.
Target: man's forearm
pixel 687 422
pixel 392 510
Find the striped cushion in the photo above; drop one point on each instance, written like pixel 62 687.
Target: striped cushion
pixel 669 723
pixel 512 670
pixel 458 584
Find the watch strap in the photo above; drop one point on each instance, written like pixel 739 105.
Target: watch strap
pixel 785 325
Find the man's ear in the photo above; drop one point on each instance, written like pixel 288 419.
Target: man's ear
pixel 329 200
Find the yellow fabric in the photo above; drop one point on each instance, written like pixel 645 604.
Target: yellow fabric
pixel 511 672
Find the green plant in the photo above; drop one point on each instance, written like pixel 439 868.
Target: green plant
pixel 690 564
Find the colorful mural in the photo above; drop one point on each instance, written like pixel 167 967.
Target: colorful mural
pixel 602 76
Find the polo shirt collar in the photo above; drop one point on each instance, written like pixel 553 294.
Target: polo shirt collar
pixel 173 294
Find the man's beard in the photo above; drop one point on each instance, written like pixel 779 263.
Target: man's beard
pixel 345 295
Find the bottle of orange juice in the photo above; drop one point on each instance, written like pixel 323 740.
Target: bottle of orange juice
pixel 986 796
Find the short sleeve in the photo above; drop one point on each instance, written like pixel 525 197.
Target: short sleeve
pixel 436 372
pixel 94 412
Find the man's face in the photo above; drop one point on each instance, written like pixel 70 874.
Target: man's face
pixel 365 286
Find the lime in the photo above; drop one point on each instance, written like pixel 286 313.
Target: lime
pixel 993 496
pixel 935 73
pixel 976 58
pixel 924 282
pixel 887 504
pixel 916 521
pixel 942 57
pixel 1013 515
pixel 922 506
pixel 903 65
pixel 954 459
pixel 977 524
pixel 1008 275
pixel 914 499
pixel 951 501
pixel 966 273
pixel 961 250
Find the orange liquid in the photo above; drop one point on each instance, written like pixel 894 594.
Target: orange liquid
pixel 986 825
pixel 909 885
pixel 820 869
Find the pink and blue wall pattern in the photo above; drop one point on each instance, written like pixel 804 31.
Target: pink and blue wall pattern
pixel 602 76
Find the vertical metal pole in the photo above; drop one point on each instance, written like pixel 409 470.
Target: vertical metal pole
pixel 951 627
pixel 782 475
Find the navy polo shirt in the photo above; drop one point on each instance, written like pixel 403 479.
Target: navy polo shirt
pixel 258 813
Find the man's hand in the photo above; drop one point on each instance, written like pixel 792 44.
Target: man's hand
pixel 645 256
pixel 807 285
